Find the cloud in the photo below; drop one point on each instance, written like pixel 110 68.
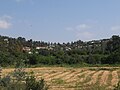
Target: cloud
pixel 115 28
pixel 5 22
pixel 84 35
pixel 82 27
pixel 81 31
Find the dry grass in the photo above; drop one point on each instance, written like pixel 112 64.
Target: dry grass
pixel 104 78
pixel 60 78
pixel 94 78
pixel 115 78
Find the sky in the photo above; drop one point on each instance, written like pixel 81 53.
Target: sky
pixel 60 20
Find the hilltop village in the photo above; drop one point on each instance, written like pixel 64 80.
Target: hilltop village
pixel 40 52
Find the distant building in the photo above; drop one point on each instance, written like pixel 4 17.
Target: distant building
pixel 67 48
pixel 6 40
pixel 30 52
pixel 27 49
pixel 41 48
pixel 48 48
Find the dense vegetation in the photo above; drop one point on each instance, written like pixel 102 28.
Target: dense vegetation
pixel 21 51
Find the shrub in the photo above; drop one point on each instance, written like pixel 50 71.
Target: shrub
pixel 20 80
pixel 32 84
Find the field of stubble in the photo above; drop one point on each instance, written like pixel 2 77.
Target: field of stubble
pixel 90 78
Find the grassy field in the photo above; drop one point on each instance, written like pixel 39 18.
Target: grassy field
pixel 89 78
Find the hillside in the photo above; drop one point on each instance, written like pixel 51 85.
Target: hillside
pixel 16 51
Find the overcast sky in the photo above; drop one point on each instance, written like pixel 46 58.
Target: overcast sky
pixel 60 20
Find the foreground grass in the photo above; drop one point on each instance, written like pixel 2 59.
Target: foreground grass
pixel 69 78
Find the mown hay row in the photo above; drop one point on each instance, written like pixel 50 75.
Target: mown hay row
pixel 86 75
pixel 94 78
pixel 76 77
pixel 69 76
pixel 115 78
pixel 62 75
pixel 104 78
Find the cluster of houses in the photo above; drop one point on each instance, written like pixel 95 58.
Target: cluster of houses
pixel 90 44
pixel 29 50
pixel 84 45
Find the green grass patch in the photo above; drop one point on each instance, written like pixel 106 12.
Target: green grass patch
pixel 103 68
pixel 58 81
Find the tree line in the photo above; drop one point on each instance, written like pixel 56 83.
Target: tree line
pixel 104 51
